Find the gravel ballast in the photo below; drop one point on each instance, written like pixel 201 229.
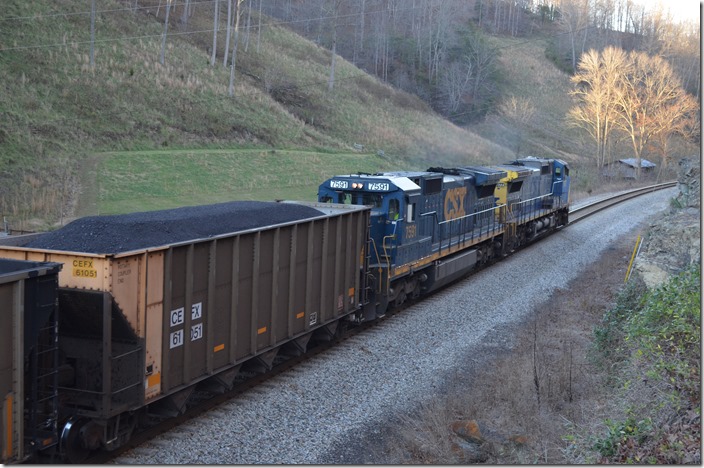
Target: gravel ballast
pixel 134 231
pixel 320 412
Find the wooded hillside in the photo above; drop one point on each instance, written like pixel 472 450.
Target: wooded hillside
pixel 411 83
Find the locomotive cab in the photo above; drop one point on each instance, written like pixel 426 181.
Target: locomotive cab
pixel 398 231
pixel 389 197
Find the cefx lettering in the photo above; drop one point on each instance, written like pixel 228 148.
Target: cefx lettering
pixel 177 317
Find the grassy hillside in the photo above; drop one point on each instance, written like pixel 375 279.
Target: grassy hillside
pixel 60 115
pixel 145 180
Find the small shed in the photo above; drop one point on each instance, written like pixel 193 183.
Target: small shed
pixel 626 168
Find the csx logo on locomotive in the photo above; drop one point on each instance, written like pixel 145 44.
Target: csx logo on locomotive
pixel 454 203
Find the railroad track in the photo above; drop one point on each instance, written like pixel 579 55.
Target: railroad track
pixel 581 212
pixel 246 382
pixel 212 401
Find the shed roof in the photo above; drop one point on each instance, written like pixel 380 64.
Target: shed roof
pixel 633 162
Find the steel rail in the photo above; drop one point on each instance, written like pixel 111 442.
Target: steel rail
pixel 581 212
pixel 215 400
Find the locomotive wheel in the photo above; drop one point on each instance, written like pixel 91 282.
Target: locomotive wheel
pixel 400 299
pixel 71 445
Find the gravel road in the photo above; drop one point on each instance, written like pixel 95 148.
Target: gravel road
pixel 321 412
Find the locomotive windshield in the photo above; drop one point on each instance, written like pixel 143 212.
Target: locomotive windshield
pixel 373 199
pixel 355 198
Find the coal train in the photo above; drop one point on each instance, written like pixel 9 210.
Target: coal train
pixel 99 342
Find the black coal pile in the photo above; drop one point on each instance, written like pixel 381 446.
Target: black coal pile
pixel 135 231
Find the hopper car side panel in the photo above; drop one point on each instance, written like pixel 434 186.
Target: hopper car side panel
pixel 28 358
pixel 143 327
pixel 236 297
pixel 11 381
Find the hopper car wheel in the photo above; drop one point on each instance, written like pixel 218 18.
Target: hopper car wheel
pixel 71 445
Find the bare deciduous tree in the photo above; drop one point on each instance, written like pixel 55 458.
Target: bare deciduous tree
pixel 249 22
pixel 92 34
pixel 185 12
pixel 361 26
pixel 216 23
pixel 227 34
pixel 233 65
pixel 259 26
pixel 597 82
pixel 634 93
pixel 518 112
pixel 575 19
pixel 483 58
pixel 651 102
pixel 456 83
pixel 334 14
pixel 682 118
pixel 166 29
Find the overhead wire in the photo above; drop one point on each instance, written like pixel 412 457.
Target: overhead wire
pixel 186 33
pixel 88 12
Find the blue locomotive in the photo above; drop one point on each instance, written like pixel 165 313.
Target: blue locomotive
pixel 430 228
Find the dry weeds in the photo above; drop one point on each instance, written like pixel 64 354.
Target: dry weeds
pixel 540 391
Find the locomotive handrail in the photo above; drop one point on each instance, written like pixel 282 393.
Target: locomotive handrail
pixel 388 257
pixel 541 196
pixel 376 251
pixel 383 242
pixel 466 216
pixel 461 218
pixel 532 199
pixel 378 260
pixel 524 216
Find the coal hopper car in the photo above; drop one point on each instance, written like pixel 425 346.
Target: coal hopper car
pixel 141 330
pixel 28 358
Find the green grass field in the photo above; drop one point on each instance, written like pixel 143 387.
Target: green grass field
pixel 151 180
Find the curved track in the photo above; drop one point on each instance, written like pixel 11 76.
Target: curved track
pixel 581 212
pixel 210 402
